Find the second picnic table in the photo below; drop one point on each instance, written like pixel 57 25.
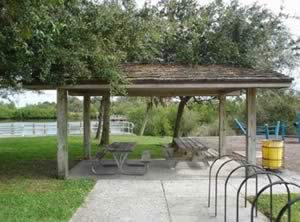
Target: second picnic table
pixel 191 147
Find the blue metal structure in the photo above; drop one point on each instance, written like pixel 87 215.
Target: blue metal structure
pixel 262 130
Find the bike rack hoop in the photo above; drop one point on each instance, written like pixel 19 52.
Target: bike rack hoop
pixel 233 157
pixel 270 186
pixel 268 174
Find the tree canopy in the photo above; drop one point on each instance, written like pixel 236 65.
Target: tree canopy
pixel 59 42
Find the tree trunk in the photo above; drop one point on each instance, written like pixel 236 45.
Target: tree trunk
pixel 106 121
pixel 182 103
pixel 148 109
pixel 100 118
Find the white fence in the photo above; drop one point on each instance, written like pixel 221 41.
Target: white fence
pixel 50 128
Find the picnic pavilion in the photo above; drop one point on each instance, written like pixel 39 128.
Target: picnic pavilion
pixel 169 80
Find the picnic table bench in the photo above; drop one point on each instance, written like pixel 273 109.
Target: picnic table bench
pixel 190 148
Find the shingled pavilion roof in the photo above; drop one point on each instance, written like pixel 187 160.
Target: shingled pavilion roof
pixel 176 80
pixel 147 73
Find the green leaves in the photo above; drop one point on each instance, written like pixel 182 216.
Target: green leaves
pixel 63 42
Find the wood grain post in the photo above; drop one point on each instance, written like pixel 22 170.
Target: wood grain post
pixel 251 126
pixel 87 127
pixel 62 133
pixel 222 125
pixel 106 121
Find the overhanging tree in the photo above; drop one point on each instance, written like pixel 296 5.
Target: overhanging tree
pixel 64 42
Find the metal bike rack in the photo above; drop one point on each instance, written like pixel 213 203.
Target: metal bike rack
pixel 268 174
pixel 287 206
pixel 257 171
pixel 209 175
pixel 246 166
pixel 216 180
pixel 269 186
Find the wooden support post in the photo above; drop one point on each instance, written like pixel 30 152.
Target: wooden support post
pixel 87 127
pixel 222 125
pixel 62 133
pixel 251 126
pixel 106 121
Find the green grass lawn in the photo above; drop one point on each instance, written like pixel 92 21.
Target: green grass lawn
pixel 279 200
pixel 29 190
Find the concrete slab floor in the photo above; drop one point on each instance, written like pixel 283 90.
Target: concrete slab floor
pixel 158 170
pixel 162 195
pixel 156 200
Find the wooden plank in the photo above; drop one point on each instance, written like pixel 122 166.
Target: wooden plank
pixel 222 125
pixel 184 143
pixel 174 86
pixel 62 133
pixel 192 146
pixel 121 146
pixel 251 126
pixel 180 144
pixel 87 127
pixel 190 143
pixel 161 92
pixel 195 143
pixel 200 144
pixel 187 143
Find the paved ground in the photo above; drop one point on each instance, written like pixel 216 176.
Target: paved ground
pixel 237 143
pixel 164 194
pixel 175 195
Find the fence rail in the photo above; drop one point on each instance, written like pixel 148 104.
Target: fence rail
pixel 50 128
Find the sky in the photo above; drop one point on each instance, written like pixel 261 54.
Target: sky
pixel 291 6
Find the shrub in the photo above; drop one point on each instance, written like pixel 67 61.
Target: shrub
pixel 36 112
pixel 6 112
pixel 190 121
pixel 159 123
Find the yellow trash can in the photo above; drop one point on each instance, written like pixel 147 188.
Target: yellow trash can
pixel 272 154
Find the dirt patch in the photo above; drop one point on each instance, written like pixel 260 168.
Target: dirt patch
pixel 238 143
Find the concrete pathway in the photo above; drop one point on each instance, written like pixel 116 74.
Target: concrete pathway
pixel 157 201
pixel 164 194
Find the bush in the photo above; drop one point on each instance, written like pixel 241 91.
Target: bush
pixel 136 116
pixel 191 120
pixel 7 111
pixel 159 123
pixel 279 105
pixel 36 112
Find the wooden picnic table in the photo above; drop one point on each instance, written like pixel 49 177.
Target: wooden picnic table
pixel 120 152
pixel 121 147
pixel 190 143
pixel 191 147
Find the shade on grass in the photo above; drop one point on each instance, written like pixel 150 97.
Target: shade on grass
pixel 44 148
pixel 29 190
pixel 279 200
